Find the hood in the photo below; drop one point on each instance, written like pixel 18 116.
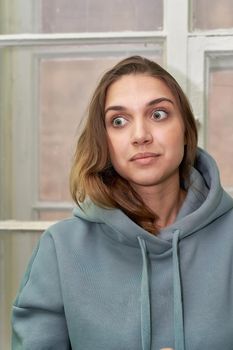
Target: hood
pixel 215 203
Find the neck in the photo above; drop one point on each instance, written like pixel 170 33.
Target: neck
pixel 164 200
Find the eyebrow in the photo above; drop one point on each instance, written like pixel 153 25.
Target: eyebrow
pixel 151 103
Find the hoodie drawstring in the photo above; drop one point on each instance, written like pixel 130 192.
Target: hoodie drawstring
pixel 177 298
pixel 145 300
pixel 145 297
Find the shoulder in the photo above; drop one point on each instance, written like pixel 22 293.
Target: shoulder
pixel 70 231
pixel 64 225
pixel 67 225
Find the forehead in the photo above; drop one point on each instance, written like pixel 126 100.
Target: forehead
pixel 135 87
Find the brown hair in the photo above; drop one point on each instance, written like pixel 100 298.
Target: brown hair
pixel 92 174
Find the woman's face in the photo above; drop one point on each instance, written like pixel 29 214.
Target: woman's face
pixel 145 130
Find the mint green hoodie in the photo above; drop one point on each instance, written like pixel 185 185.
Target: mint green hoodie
pixel 99 281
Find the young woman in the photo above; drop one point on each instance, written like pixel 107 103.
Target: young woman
pixel 146 261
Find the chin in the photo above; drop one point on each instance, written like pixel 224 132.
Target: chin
pixel 151 181
pixel 145 182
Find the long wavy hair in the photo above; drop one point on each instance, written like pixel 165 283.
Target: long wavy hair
pixel 92 175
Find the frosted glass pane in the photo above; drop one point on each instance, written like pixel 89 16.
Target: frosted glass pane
pixel 66 85
pixel 57 16
pixel 101 15
pixel 64 90
pixel 212 14
pixel 220 122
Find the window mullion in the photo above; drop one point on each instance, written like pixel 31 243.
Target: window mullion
pixel 176 22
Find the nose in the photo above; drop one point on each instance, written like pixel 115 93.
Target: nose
pixel 141 134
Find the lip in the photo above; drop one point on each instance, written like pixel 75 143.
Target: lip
pixel 144 155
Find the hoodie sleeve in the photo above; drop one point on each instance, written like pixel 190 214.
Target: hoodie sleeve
pixel 38 320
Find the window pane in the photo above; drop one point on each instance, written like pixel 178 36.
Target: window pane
pixel 220 125
pixel 101 15
pixel 56 16
pixel 212 14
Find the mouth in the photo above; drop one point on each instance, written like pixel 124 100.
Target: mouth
pixel 145 155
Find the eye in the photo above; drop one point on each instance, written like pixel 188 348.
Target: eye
pixel 119 121
pixel 159 114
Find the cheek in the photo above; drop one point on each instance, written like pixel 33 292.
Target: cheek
pixel 117 155
pixel 178 139
pixel 171 138
pixel 177 143
pixel 117 143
